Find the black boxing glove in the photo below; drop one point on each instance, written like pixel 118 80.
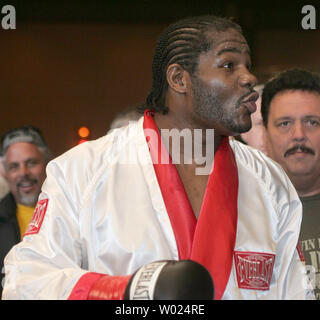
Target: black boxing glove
pixel 160 280
pixel 170 280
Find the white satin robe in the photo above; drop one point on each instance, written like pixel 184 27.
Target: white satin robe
pixel 107 216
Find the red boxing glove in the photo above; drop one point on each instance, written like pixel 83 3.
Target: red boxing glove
pixel 97 286
pixel 109 288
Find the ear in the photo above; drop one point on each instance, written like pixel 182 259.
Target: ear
pixel 2 167
pixel 177 78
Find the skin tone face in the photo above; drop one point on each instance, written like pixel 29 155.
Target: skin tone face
pixel 223 95
pixel 219 95
pixel 293 137
pixel 25 172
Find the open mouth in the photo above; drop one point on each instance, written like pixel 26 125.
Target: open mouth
pixel 26 186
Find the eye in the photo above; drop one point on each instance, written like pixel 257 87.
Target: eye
pixel 312 122
pixel 228 65
pixel 284 124
pixel 13 167
pixel 32 163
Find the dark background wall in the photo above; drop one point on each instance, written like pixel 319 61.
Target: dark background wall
pixel 74 63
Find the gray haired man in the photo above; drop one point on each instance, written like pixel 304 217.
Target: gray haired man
pixel 24 155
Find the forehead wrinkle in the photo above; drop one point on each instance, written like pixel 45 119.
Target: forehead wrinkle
pixel 231 49
pixel 229 46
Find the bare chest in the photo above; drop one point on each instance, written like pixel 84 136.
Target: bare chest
pixel 195 187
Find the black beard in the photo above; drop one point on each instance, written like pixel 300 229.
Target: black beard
pixel 209 107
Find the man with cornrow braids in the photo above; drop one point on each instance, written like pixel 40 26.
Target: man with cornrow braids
pixel 124 217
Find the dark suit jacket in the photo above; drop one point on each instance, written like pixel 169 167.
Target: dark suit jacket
pixel 9 229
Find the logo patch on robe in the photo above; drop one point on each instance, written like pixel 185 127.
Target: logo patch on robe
pixel 254 269
pixel 37 218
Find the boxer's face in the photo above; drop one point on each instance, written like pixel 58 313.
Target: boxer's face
pixel 25 172
pixel 223 95
pixel 293 132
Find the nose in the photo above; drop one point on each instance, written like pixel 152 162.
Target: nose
pixel 247 79
pixel 23 170
pixel 298 133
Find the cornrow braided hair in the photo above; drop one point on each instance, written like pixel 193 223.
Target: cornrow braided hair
pixel 181 43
